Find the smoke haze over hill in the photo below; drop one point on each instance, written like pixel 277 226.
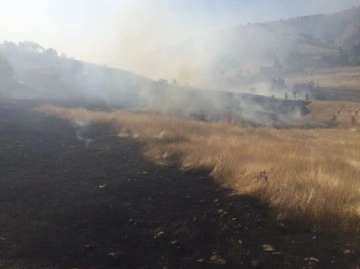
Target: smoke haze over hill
pixel 171 49
pixel 121 33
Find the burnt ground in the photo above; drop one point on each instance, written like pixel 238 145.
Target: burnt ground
pixel 63 205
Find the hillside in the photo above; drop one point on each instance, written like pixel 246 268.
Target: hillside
pixel 51 76
pixel 32 72
pixel 247 54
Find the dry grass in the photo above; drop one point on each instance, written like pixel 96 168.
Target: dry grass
pixel 313 176
pixel 339 114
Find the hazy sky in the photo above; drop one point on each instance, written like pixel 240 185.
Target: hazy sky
pixel 108 31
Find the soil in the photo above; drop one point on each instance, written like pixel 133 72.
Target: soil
pixel 67 205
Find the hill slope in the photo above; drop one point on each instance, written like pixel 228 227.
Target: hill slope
pixel 33 72
pixel 252 53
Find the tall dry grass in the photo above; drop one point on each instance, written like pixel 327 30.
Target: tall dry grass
pixel 335 113
pixel 313 176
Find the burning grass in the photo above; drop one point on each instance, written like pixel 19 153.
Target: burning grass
pixel 309 177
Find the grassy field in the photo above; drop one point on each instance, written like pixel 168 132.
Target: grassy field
pixel 310 177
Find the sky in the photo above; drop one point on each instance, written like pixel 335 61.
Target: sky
pixel 111 32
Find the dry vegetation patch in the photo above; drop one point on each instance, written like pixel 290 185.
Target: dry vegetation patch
pixel 340 78
pixel 307 176
pixel 335 113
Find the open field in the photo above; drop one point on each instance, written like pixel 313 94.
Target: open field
pixel 307 176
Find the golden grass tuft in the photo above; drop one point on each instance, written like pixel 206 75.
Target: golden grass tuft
pixel 312 176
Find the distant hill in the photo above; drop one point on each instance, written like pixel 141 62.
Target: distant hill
pixel 47 75
pixel 28 71
pixel 251 53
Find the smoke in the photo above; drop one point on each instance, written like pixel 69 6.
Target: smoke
pixel 159 39
pixel 81 125
pixel 148 31
pixel 195 42
pixel 165 41
pixel 49 76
